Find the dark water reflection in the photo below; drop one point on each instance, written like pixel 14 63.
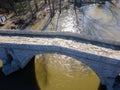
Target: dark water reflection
pixel 21 80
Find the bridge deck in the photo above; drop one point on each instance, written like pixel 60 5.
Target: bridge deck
pixel 84 46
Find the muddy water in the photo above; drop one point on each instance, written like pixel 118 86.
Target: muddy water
pixel 59 72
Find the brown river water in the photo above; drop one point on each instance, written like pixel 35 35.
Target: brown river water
pixel 59 72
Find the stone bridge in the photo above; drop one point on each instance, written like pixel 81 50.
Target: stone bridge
pixel 18 47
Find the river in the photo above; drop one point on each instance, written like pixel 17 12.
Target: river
pixel 59 72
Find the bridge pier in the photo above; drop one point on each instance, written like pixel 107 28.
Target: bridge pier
pixel 10 68
pixel 109 82
pixel 10 61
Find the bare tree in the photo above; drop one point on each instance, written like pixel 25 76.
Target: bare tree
pixel 45 1
pixel 75 1
pixel 49 2
pixel 12 5
pixel 60 6
pixel 30 8
pixel 36 5
pixel 53 7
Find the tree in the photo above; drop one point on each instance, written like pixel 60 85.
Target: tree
pixel 36 5
pixel 30 8
pixel 45 1
pixel 9 5
pixel 60 6
pixel 49 2
pixel 75 1
pixel 53 7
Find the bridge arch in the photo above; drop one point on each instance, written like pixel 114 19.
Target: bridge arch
pixel 66 53
pixel 22 54
pixel 78 55
pixel 72 57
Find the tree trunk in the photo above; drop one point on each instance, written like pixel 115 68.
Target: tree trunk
pixel 36 5
pixel 45 1
pixel 30 8
pixel 12 5
pixel 21 5
pixel 60 6
pixel 53 7
pixel 49 2
pixel 75 1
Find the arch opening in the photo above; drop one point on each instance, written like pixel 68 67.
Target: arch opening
pixel 61 72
